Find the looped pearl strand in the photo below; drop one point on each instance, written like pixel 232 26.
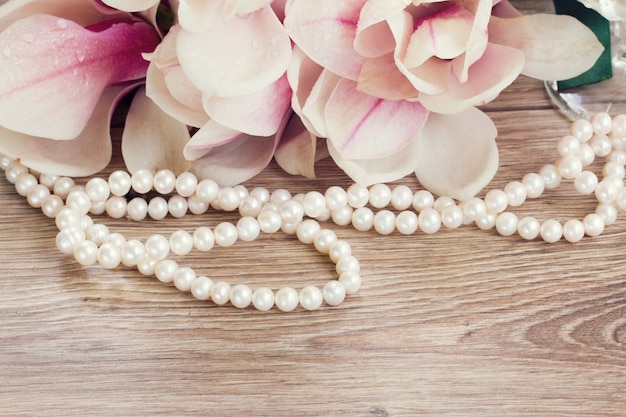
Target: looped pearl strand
pixel 378 207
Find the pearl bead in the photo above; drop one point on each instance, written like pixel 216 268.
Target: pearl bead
pixel 452 216
pixel 116 239
pixel 363 219
pixel 601 123
pixel 51 205
pixel 225 234
pixel 334 292
pixel 207 190
pixel 516 193
pixel 291 211
pixel 601 145
pixel 570 166
pixel 157 247
pixel 158 208
pixel 120 183
pixel 68 238
pixel 351 280
pixel 184 278
pixel 528 228
pixel 487 221
pixel 133 252
pixel 286 299
pixel 137 209
pixel 261 193
pixel 535 185
pixel 86 253
pixel 97 189
pixel 496 201
pixel 342 216
pixel 263 299
pixel 164 181
pixel 606 191
pixel 203 239
pixel 474 208
pixel 443 202
pixel 109 255
pixel 582 129
pixel 228 198
pixel 147 266
pixel 429 221
pixel 36 195
pixel 98 207
pixel 241 296
pixel 201 287
pixel 401 197
pixel 339 249
pixel 324 240
pixel 621 199
pixel 142 181
pixel 116 207
pixel 248 229
pixel 63 186
pixel 314 204
pixel 358 196
pixel 586 154
pixel 195 206
pixel 379 195
pixel 14 170
pixel 165 270
pixel 406 222
pixel 180 242
pixel 385 222
pixel 67 218
pixel 280 196
pixel 608 212
pixel 506 223
pixel 594 224
pixel 311 297
pixel 250 206
pixel 336 198
pixel 186 184
pixel 177 206
pixel 586 182
pixel 24 183
pixel 619 125
pixel 568 145
pixel 347 263
pixel 269 221
pixel 307 230
pixel 551 176
pixel 551 231
pixel 573 230
pixel 220 293
pixel 422 200
pixel 97 233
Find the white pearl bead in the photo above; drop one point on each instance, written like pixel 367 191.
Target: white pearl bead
pixel 181 242
pixel 568 145
pixel 177 206
pixel 207 190
pixel 79 201
pixel 203 239
pixel 573 230
pixel 250 206
pixel 358 196
pixel 269 221
pixel 551 231
pixel 401 197
pixel 137 209
pixel 14 170
pixel 36 195
pixel 452 216
pixel 594 224
pixel 225 234
pixel 336 198
pixel 582 129
pixel 147 266
pixel 133 252
pixel 496 201
pixel 165 270
pixel 195 206
pixel 506 223
pixel 422 200
pixel 619 125
pixel 606 192
pixel 601 145
pixel 97 233
pixel 164 181
pixel 67 218
pixel 158 208
pixel 157 247
pixel 228 198
pixel 613 169
pixel 311 297
pixel 551 176
pixel 63 186
pixel 429 220
pixel 474 208
pixel 109 255
pixel 248 229
pixel 291 211
pixel 201 287
pixel 142 181
pixel 380 195
pixel 314 204
pixel 243 191
pixel 86 253
pixel 98 207
pixel 351 280
pixel 263 299
pixel 116 239
pixel 586 154
pixel 186 184
pixel 619 142
pixel 342 216
pixel 116 207
pixel 24 183
pixel 535 185
pixel 621 199
pixel 324 240
pixel 334 292
pixel 608 212
pixel 516 193
pixel 406 222
pixel 97 189
pixel 51 205
pixel 241 296
pixel 220 292
pixel 261 193
pixel 184 278
pixel 120 183
pixel 286 299
pixel 443 202
pixel 347 263
pixel 280 196
pixel 363 219
pixel 487 221
pixel 586 182
pixel 307 230
pixel 68 238
pixel 601 123
pixel 385 222
pixel 339 249
pixel 570 166
pixel 528 228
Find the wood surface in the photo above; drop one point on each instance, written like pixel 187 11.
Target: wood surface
pixel 461 323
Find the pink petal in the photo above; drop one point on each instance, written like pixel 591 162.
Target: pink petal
pixel 211 135
pixel 85 155
pixel 498 68
pixel 152 139
pixel 555 47
pixel 200 15
pixel 302 75
pixel 476 42
pixel 373 37
pixel 325 30
pixel 49 64
pixel 131 5
pixel 372 171
pixel 458 153
pixel 257 114
pixel 381 78
pixel 314 109
pixel 233 7
pixel 361 126
pixel 298 149
pixel 236 57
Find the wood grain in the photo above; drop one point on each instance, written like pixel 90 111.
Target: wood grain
pixel 461 323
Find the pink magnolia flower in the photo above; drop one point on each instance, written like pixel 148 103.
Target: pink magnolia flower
pixel 64 65
pixel 392 84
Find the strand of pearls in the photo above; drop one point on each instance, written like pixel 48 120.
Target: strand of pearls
pixel 155 195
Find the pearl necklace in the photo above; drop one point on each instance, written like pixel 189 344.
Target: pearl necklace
pixel 398 208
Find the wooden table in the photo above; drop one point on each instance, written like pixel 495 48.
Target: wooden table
pixel 461 323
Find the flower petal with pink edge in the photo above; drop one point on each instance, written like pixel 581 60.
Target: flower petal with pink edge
pixel 211 135
pixel 257 114
pixel 302 75
pixel 498 68
pixel 152 139
pixel 380 77
pixel 50 64
pixel 325 30
pixel 298 149
pixel 200 15
pixel 240 56
pixel 555 47
pixel 87 154
pixel 477 40
pixel 361 126
pixel 373 37
pixel 314 109
pixel 373 171
pixel 458 153
pixel 131 5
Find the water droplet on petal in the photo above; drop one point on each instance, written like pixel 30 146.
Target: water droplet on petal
pixel 62 24
pixel 28 37
pixel 80 55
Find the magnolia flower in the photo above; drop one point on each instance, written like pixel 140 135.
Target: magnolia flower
pixel 64 65
pixel 392 84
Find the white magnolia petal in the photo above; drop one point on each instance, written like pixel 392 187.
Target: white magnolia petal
pixel 298 149
pixel 152 139
pixel 131 5
pixel 458 153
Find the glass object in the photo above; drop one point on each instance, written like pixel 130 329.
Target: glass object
pixel 604 96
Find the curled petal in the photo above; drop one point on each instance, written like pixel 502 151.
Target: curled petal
pixel 361 126
pixel 152 139
pixel 314 109
pixel 199 15
pixel 131 5
pixel 211 135
pixel 302 75
pixel 298 149
pixel 380 77
pixel 325 30
pixel 458 153
pixel 240 56
pixel 373 37
pixel 87 154
pixel 555 47
pixel 50 64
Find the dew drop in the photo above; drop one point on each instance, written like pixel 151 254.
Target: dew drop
pixel 28 37
pixel 80 55
pixel 62 24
